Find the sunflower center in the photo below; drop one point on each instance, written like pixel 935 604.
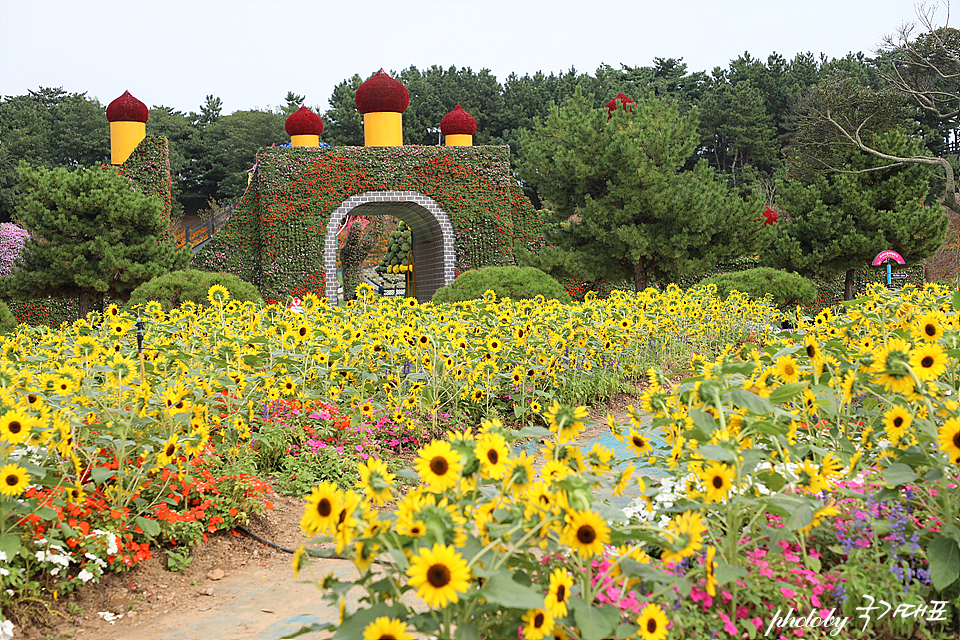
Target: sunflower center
pixel 898 422
pixel 324 508
pixel 169 450
pixel 927 362
pixel 586 534
pixel 538 620
pixel 561 593
pixel 302 331
pixel 956 439
pixel 930 330
pixel 343 516
pixel 811 351
pixel 638 441
pixel 438 576
pixel 717 482
pixel 651 626
pixel 12 480
pixel 14 427
pixel 493 456
pixel 439 465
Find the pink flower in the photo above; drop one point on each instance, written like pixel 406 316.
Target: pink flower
pixel 728 625
pixel 787 593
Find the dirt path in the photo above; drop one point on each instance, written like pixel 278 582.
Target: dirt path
pixel 235 588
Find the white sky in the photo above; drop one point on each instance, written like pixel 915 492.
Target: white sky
pixel 251 52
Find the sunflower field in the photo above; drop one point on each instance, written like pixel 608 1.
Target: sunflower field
pixel 810 472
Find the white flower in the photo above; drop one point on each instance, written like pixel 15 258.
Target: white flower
pixel 3 556
pixel 6 630
pixel 85 575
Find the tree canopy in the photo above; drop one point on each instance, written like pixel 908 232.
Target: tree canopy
pixel 625 207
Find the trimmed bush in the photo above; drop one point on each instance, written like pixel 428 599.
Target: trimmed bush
pixel 517 283
pixel 787 289
pixel 8 321
pixel 174 288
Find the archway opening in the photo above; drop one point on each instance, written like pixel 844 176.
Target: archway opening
pixel 432 237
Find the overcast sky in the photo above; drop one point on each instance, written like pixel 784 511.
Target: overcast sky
pixel 251 52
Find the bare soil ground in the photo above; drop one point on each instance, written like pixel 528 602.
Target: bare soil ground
pixel 234 588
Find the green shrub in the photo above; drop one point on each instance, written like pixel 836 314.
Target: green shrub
pixel 787 289
pixel 174 288
pixel 507 282
pixel 8 321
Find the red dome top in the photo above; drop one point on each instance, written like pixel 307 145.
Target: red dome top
pixel 303 122
pixel 622 99
pixel 382 93
pixel 126 108
pixel 770 216
pixel 458 121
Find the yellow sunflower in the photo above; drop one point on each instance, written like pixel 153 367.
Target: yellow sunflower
pixel 15 426
pixel 386 629
pixel 928 361
pixel 686 528
pixel 787 369
pixel 218 294
pixel 439 575
pixel 13 480
pixel 586 532
pixel 717 480
pixel 493 454
pixel 711 567
pixel 896 421
pixel 322 509
pixel 168 451
pixel 949 439
pixel 537 624
pixel 558 593
pixel 652 622
pixel 439 466
pixel 639 444
pixel 375 481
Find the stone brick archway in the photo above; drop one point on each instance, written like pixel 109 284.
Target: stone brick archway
pixel 433 240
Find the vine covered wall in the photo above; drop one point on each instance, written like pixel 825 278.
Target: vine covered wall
pixel 275 237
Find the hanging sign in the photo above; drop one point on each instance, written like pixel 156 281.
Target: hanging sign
pixel 888 255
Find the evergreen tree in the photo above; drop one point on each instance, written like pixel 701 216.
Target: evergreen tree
pixel 837 223
pixel 624 207
pixel 92 234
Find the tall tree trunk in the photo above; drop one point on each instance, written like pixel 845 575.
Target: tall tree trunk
pixel 639 277
pixel 849 285
pixel 84 303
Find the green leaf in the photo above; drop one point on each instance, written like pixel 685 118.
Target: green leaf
pixel 943 555
pixel 149 527
pixel 10 545
pixel 787 392
pixel 466 631
pixel 703 420
pixel 753 403
pixel 727 573
pixel 716 452
pixel 773 481
pixel 801 517
pixel 596 623
pixel 955 300
pixel 101 474
pixel 899 474
pixel 504 590
pixel 533 432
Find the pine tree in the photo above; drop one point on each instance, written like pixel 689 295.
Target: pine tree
pixel 93 233
pixel 625 205
pixel 837 223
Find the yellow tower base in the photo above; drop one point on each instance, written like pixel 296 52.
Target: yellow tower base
pixel 305 140
pixel 124 138
pixel 459 140
pixel 383 129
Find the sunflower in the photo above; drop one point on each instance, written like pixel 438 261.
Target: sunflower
pixel 949 439
pixel 167 452
pixel 439 575
pixel 717 480
pixel 638 443
pixel 652 622
pixel 439 466
pixel 218 294
pixel 386 629
pixel 322 510
pixel 687 528
pixel 586 532
pixel 787 369
pixel 565 421
pixel 558 593
pixel 711 566
pixel 896 421
pixel 891 364
pixel 929 327
pixel 15 426
pixel 13 480
pixel 928 361
pixel 493 454
pixel 537 624
pixel 375 480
